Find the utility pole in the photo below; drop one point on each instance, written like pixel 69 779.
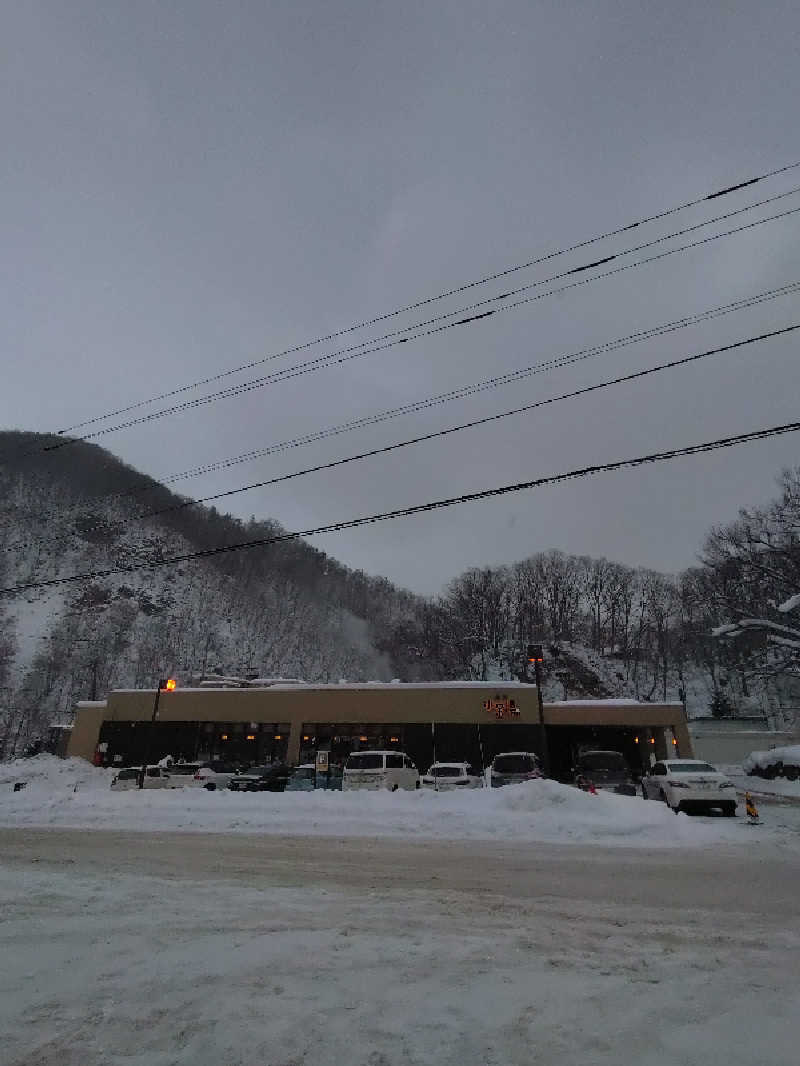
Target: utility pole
pixel 95 664
pixel 164 685
pixel 535 656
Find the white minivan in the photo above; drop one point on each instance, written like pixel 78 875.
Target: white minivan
pixel 379 769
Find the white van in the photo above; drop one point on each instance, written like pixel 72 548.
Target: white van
pixel 379 769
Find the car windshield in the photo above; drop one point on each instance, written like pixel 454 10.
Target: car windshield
pixel 365 761
pixel 690 768
pixel 446 771
pixel 602 760
pixel 185 769
pixel 258 771
pixel 127 775
pixel 513 764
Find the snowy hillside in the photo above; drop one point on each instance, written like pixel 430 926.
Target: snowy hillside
pixel 288 610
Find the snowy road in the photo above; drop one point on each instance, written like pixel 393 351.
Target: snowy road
pixel 178 948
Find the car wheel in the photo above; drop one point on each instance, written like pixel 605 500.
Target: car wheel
pixel 210 786
pixel 395 787
pixel 729 810
pixel 791 773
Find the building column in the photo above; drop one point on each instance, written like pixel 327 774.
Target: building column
pixel 293 752
pixel 685 748
pixel 661 746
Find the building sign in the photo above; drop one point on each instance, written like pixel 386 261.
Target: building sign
pixel 322 762
pixel 501 706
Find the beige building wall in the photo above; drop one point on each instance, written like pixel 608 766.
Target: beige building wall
pixel 400 704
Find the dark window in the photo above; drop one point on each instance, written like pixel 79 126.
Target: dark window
pixel 514 764
pixel 364 761
pixel 692 768
pixel 602 760
pixel 447 771
pixel 394 762
pixel 660 770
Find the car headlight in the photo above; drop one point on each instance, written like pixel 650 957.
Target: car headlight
pixel 678 784
pixel 727 784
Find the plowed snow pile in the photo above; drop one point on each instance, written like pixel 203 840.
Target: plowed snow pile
pixel 72 793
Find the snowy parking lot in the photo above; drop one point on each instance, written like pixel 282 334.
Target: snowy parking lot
pixel 72 794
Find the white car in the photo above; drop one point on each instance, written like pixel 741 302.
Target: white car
pixel 392 770
pixel 690 784
pixel 156 777
pixel 206 775
pixel 444 776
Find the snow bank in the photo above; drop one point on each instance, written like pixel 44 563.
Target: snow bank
pixel 72 793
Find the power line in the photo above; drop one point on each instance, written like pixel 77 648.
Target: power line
pixel 471 389
pixel 345 355
pixel 436 434
pixel 404 512
pixel 441 296
pixel 555 363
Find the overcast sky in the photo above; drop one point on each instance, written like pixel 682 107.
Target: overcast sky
pixel 191 185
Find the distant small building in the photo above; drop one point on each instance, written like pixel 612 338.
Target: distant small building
pixel 728 740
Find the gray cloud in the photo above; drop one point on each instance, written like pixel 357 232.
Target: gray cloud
pixel 189 186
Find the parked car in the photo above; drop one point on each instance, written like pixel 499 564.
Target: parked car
pixel 777 762
pixel 690 784
pixel 269 778
pixel 156 777
pixel 305 778
pixel 444 776
pixel 511 767
pixel 604 771
pixel 392 770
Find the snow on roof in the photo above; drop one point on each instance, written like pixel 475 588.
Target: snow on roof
pixel 92 703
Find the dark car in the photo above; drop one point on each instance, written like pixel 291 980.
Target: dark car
pixel 512 767
pixel 604 771
pixel 270 778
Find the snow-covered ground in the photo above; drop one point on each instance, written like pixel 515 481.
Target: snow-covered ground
pixel 71 793
pixel 134 949
pixel 779 787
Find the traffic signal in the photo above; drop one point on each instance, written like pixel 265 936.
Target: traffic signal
pixel 535 654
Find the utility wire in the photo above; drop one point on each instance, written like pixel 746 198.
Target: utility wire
pixel 557 362
pixel 345 355
pixel 403 512
pixel 470 389
pixel 436 434
pixel 727 190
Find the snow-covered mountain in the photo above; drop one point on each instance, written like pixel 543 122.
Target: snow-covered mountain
pixel 284 610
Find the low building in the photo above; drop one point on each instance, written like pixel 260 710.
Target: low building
pixel 469 721
pixel 729 740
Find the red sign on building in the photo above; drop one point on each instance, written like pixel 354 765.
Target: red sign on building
pixel 501 706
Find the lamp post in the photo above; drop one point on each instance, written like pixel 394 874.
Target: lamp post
pixel 164 685
pixel 535 656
